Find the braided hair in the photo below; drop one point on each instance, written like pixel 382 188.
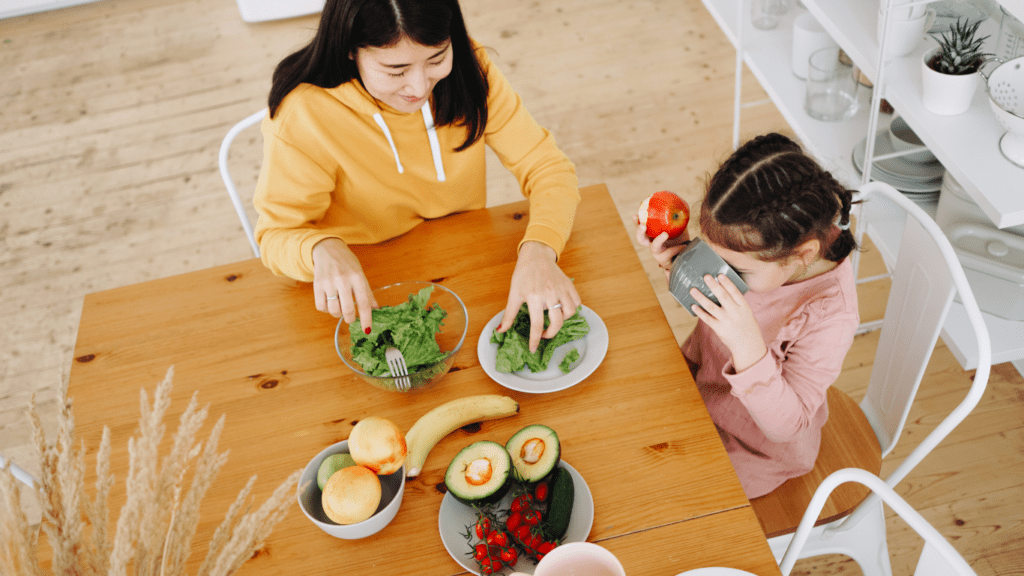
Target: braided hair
pixel 770 197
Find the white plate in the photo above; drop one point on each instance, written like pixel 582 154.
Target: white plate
pixel 454 518
pixel 716 572
pixel 592 348
pixel 900 183
pixel 898 166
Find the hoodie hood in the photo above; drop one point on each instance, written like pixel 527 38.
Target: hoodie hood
pixel 354 95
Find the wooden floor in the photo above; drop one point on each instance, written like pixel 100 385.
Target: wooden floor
pixel 112 113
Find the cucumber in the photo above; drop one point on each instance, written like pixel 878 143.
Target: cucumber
pixel 563 494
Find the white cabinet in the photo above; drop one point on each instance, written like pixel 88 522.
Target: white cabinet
pixel 967 144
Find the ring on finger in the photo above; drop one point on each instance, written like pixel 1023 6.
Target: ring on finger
pixel 559 305
pixel 332 297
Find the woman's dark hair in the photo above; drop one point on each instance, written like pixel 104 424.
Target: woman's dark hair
pixel 347 25
pixel 770 197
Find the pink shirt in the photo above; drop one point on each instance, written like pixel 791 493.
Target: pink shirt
pixel 770 415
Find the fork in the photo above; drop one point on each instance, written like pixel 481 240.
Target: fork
pixel 399 371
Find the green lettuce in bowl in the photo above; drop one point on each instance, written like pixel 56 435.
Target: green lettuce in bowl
pixel 425 321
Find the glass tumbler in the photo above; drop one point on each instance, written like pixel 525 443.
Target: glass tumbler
pixel 831 85
pixel 764 14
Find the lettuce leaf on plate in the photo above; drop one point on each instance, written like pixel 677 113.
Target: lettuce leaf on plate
pixel 410 326
pixel 514 344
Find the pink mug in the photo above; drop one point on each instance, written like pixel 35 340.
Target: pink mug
pixel 578 559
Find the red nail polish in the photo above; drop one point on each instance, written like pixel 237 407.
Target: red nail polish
pixel 366 330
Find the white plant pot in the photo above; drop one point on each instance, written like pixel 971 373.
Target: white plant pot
pixel 946 94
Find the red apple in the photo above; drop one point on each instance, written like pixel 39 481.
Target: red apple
pixel 664 212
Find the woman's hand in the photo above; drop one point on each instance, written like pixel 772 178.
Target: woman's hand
pixel 733 321
pixel 541 284
pixel 339 286
pixel 662 248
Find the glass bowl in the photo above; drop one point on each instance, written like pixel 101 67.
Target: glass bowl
pixel 449 339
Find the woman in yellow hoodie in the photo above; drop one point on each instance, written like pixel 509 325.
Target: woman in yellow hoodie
pixel 380 123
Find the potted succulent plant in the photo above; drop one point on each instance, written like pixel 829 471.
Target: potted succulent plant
pixel 950 70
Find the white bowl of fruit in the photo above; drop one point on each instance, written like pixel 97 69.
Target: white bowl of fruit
pixel 353 489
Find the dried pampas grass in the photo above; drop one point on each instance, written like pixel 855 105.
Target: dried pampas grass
pixel 154 531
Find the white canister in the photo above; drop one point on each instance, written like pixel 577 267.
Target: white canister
pixel 956 207
pixel 808 37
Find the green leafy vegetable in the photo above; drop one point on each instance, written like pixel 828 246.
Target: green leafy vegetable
pixel 514 344
pixel 410 326
pixel 572 356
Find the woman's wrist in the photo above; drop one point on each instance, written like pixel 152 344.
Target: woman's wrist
pixel 327 245
pixel 534 249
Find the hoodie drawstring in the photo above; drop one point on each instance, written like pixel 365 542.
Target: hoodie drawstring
pixel 435 146
pixel 387 134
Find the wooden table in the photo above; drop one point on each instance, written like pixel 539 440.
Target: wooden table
pixel 666 498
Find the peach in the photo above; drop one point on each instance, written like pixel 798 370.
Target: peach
pixel 377 444
pixel 351 495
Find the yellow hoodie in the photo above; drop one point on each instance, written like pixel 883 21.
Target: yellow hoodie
pixel 339 164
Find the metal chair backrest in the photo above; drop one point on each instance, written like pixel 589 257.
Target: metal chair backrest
pixel 926 276
pixel 938 557
pixel 225 174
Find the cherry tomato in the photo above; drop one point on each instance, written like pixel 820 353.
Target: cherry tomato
pixel 483 527
pixel 521 503
pixel 523 534
pixel 490 565
pixel 480 551
pixel 535 541
pixel 509 556
pixel 514 520
pixel 531 517
pixel 541 492
pixel 545 547
pixel 498 538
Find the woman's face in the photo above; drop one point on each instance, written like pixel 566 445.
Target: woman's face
pixel 403 76
pixel 759 275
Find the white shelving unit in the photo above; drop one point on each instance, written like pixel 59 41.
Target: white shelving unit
pixel 966 144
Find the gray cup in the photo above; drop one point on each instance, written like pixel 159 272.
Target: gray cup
pixel 689 269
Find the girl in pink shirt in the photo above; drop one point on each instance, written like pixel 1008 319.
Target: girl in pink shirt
pixel 764 360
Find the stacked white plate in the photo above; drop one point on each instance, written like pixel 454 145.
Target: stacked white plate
pixel 920 181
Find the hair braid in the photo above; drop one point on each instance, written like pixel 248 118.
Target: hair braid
pixel 769 197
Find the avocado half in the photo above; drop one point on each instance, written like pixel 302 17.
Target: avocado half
pixel 480 473
pixel 535 452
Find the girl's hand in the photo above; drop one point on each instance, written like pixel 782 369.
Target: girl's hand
pixel 541 284
pixel 339 286
pixel 732 321
pixel 662 248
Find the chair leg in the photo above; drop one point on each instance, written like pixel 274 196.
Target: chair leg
pixel 864 542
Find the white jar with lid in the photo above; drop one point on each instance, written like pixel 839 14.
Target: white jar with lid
pixel 956 207
pixel 993 262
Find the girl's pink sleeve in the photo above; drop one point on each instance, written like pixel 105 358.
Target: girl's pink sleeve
pixel 785 389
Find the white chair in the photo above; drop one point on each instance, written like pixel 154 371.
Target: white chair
pixel 225 146
pixel 19 473
pixel 925 278
pixel 938 557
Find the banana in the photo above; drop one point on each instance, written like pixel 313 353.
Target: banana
pixel 448 417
